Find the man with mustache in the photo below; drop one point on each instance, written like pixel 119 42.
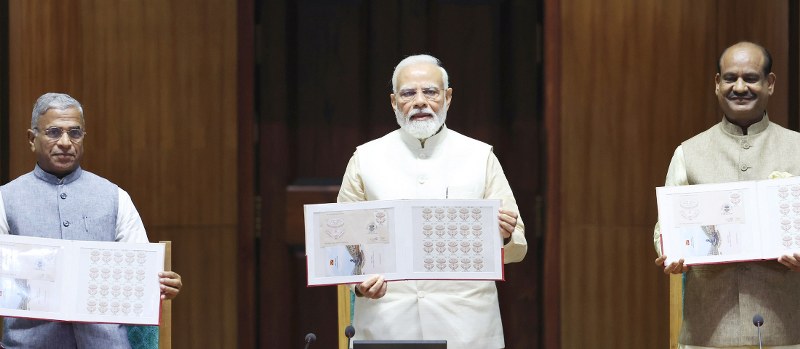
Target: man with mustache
pixel 426 160
pixel 60 200
pixel 721 300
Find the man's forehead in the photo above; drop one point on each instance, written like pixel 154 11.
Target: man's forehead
pixel 418 84
pixel 744 57
pixel 53 116
pixel 420 75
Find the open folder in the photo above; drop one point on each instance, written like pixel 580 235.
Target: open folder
pixel 81 281
pixel 403 240
pixel 729 222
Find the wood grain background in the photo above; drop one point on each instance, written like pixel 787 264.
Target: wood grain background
pixel 636 80
pixel 165 84
pixel 157 80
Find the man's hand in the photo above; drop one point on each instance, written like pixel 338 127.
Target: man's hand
pixel 170 284
pixel 792 261
pixel 672 268
pixel 374 287
pixel 508 221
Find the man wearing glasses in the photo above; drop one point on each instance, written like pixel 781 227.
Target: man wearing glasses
pixel 60 200
pixel 426 160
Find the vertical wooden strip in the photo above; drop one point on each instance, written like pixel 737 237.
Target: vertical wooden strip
pixel 552 124
pixel 4 111
pixel 247 309
pixel 165 325
pixel 343 309
pixel 276 293
pixel 675 309
pixel 794 66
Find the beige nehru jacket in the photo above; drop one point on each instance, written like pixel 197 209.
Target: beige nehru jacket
pixel 720 300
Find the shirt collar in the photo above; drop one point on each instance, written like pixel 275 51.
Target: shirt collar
pixel 52 179
pixel 754 129
pixel 431 143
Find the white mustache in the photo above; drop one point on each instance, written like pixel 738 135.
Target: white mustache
pixel 419 111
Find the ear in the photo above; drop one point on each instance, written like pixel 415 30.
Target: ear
pixel 31 138
pixel 393 101
pixel 716 84
pixel 448 96
pixel 771 83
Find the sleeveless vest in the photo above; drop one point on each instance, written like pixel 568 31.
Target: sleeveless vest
pixel 80 206
pixel 720 300
pixel 450 165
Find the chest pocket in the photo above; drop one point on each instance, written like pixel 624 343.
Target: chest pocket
pixel 102 228
pixel 464 192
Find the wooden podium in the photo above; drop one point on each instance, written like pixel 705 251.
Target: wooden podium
pixel 344 307
pixel 675 308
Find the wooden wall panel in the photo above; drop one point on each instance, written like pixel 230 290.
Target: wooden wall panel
pixel 4 112
pixel 329 60
pixel 552 64
pixel 204 315
pixel 276 321
pixel 158 83
pixel 637 79
pixel 246 289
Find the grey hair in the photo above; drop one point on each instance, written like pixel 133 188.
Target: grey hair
pixel 58 101
pixel 416 59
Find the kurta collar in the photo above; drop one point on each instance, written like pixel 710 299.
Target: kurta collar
pixel 49 178
pixel 414 144
pixel 754 129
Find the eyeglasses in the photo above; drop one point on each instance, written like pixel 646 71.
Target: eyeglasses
pixel 408 94
pixel 55 133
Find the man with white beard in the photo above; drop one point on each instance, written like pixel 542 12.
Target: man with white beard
pixel 426 160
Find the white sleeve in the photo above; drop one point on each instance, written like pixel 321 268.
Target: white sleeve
pixel 3 220
pixel 129 225
pixel 352 188
pixel 676 175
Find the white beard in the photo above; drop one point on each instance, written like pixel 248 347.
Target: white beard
pixel 421 129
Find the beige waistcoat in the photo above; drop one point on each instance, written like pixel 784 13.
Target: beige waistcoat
pixel 720 300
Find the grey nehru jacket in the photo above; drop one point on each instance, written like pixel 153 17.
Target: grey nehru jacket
pixel 720 300
pixel 80 206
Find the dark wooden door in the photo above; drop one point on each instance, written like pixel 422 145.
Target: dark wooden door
pixel 323 76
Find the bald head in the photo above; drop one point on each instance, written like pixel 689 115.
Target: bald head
pixel 766 65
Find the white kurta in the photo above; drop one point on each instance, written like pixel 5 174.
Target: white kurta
pixel 450 165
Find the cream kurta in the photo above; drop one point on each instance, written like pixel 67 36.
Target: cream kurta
pixel 450 165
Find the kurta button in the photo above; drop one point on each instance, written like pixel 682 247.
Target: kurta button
pixel 421 294
pixel 421 179
pixel 743 167
pixel 423 156
pixel 745 145
pixel 63 195
pixel 66 223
